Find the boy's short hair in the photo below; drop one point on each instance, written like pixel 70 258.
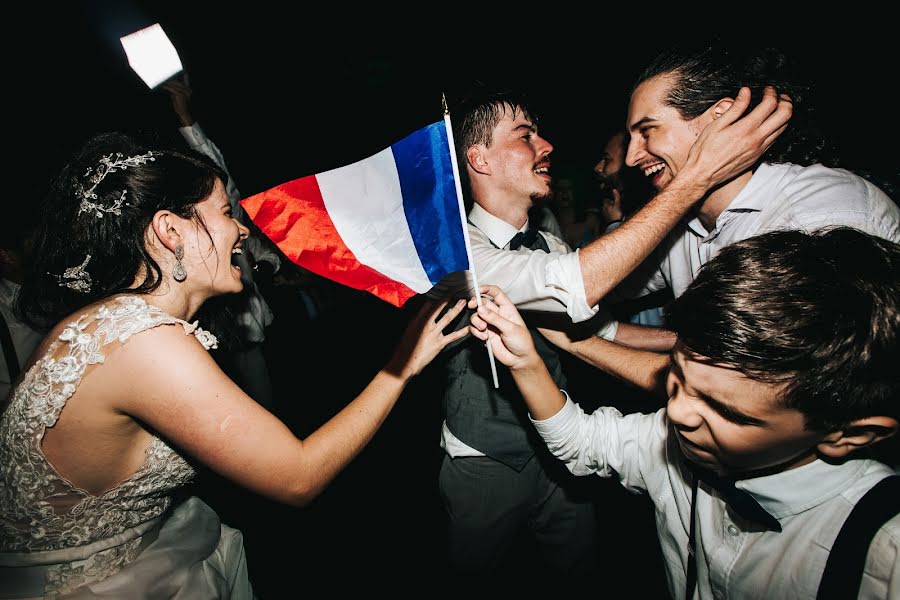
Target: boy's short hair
pixel 818 312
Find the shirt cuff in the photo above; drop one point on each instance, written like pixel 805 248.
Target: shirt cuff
pixel 608 331
pixel 193 135
pixel 566 276
pixel 566 413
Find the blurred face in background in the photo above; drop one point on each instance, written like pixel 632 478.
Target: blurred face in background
pixel 613 158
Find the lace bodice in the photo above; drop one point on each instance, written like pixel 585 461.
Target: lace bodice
pixel 39 510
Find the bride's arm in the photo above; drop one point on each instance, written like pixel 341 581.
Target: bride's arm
pixel 175 387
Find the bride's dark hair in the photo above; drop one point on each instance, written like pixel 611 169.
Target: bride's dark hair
pixel 106 217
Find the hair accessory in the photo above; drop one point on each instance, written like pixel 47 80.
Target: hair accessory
pixel 76 278
pixel 178 271
pixel 116 208
pixel 108 164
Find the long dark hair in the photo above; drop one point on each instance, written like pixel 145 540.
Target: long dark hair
pixel 111 226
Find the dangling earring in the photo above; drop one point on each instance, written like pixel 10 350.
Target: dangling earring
pixel 178 271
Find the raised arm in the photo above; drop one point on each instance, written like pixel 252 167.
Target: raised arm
pixel 727 147
pixel 645 337
pixel 642 368
pixel 181 393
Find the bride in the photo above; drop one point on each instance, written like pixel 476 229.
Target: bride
pixel 96 437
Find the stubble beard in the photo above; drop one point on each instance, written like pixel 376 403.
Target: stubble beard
pixel 539 199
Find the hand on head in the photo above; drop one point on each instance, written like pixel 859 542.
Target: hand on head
pixel 732 143
pixel 499 323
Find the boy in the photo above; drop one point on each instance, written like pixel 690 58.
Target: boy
pixel 783 368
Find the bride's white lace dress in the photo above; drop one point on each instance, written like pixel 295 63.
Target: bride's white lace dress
pixel 128 542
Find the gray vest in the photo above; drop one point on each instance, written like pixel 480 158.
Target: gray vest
pixel 492 420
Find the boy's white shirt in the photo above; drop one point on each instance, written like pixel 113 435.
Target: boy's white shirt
pixel 734 560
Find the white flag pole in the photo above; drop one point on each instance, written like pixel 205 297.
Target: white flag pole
pixel 465 228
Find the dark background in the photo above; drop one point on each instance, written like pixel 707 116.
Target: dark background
pixel 285 92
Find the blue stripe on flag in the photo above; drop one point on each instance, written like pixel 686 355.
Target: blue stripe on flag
pixel 429 200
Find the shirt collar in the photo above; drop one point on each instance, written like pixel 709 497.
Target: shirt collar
pixel 747 200
pixel 797 490
pixel 497 230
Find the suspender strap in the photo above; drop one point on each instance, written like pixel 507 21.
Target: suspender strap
pixel 844 568
pixel 9 351
pixel 692 546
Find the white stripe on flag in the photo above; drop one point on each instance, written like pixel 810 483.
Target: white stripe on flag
pixel 366 205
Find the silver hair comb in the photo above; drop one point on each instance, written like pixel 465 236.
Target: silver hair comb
pixel 76 278
pixel 116 208
pixel 108 164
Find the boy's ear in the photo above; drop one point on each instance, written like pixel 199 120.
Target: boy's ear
pixel 858 434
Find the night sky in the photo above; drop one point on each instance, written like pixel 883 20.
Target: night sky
pixel 284 94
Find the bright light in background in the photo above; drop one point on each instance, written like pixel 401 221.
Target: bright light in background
pixel 151 55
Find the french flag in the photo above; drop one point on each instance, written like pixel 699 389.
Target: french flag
pixel 390 224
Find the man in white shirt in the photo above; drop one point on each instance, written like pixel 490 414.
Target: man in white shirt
pixel 684 89
pixel 495 481
pixel 681 92
pixel 753 465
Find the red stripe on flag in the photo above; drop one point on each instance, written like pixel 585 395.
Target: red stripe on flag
pixel 294 217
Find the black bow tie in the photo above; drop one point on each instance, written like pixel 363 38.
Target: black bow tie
pixel 739 501
pixel 528 238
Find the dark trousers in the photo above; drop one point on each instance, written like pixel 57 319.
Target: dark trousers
pixel 489 506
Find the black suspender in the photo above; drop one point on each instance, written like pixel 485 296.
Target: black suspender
pixel 692 545
pixel 844 568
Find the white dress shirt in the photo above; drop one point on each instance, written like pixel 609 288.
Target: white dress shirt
pixel 778 196
pixel 734 559
pixel 533 280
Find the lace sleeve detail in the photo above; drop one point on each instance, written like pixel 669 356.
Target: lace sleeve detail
pixel 206 339
pixel 41 510
pixel 133 315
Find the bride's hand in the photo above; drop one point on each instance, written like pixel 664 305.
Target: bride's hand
pixel 424 338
